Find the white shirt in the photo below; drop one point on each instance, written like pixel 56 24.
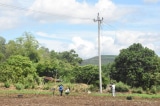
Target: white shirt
pixel 67 90
pixel 113 86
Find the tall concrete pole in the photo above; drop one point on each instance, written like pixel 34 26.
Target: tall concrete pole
pixel 99 51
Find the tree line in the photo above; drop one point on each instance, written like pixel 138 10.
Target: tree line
pixel 25 61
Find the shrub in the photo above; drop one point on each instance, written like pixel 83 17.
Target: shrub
pixel 129 97
pixel 7 84
pixel 38 80
pixel 153 89
pixel 46 87
pixel 121 87
pixel 147 91
pixel 137 90
pixel 93 87
pixel 19 86
pixel 27 85
pixel 158 88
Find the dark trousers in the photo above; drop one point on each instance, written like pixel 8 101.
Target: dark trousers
pixel 61 92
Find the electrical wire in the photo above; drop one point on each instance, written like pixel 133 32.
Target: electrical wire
pixel 109 26
pixel 114 32
pixel 41 12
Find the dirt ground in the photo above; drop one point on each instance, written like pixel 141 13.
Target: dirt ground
pixel 70 100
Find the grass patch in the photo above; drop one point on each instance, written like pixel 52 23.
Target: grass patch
pixel 24 91
pixel 134 95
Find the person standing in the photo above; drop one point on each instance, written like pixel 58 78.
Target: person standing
pixel 113 89
pixel 61 89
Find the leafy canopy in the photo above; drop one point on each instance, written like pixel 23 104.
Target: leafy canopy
pixel 136 66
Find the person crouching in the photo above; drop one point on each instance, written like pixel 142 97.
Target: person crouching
pixel 67 91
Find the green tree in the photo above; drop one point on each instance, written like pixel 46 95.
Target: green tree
pixel 88 74
pixel 136 66
pixel 16 69
pixel 44 54
pixel 11 49
pixel 30 45
pixel 47 68
pixel 26 45
pixel 2 49
pixel 70 57
pixel 106 69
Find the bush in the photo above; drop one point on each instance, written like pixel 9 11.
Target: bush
pixel 137 90
pixel 38 80
pixel 19 86
pixel 46 87
pixel 93 88
pixel 121 87
pixel 129 97
pixel 7 84
pixel 27 85
pixel 158 88
pixel 153 89
pixel 147 91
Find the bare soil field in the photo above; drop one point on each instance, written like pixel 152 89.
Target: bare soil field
pixel 70 100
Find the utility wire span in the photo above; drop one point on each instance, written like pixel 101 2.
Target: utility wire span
pixel 41 12
pixel 110 26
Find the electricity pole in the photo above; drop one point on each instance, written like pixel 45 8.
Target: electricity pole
pixel 99 50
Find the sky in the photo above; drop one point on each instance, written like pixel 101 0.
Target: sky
pixel 62 25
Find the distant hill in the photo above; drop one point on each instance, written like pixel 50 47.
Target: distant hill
pixel 105 59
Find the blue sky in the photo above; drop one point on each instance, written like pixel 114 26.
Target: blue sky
pixel 68 24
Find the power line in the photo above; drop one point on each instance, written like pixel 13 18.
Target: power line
pixel 109 26
pixel 41 12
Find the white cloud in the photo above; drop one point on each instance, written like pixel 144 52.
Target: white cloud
pixel 83 47
pixel 151 1
pixel 9 17
pixel 84 41
pixel 57 46
pixel 74 12
pixel 6 1
pixel 7 22
pixel 50 36
pixel 110 45
pixel 147 39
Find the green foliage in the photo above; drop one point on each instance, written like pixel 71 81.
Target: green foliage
pixel 89 74
pixel 46 69
pixel 86 74
pixel 137 90
pixel 136 66
pixel 2 49
pixel 93 88
pixel 19 86
pixel 18 69
pixel 46 87
pixel 121 87
pixel 7 84
pixel 29 81
pixel 28 46
pixel 70 57
pixel 158 88
pixel 105 59
pixel 153 90
pixel 23 61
